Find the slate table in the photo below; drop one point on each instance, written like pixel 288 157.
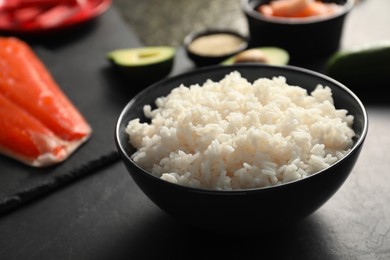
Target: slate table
pixel 102 214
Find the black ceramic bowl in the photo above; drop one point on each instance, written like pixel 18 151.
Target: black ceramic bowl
pixel 252 210
pixel 304 38
pixel 203 56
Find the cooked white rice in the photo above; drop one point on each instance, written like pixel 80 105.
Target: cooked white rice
pixel 232 134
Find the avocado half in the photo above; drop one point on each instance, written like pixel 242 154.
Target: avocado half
pixel 365 66
pixel 273 55
pixel 144 65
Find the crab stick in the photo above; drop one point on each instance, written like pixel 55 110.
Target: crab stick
pixel 39 125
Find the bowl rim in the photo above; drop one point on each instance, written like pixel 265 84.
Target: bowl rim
pixel 120 121
pixel 251 12
pixel 189 38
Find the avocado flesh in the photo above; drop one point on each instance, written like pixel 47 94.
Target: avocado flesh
pixel 365 66
pixel 141 56
pixel 143 66
pixel 274 55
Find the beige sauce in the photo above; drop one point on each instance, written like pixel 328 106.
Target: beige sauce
pixel 215 44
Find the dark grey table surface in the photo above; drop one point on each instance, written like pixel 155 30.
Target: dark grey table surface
pixel 106 216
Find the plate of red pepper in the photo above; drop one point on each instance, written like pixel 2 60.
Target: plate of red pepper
pixel 39 16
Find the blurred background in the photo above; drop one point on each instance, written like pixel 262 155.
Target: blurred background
pixel 167 22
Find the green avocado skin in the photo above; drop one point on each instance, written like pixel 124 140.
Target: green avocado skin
pixel 364 68
pixel 143 75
